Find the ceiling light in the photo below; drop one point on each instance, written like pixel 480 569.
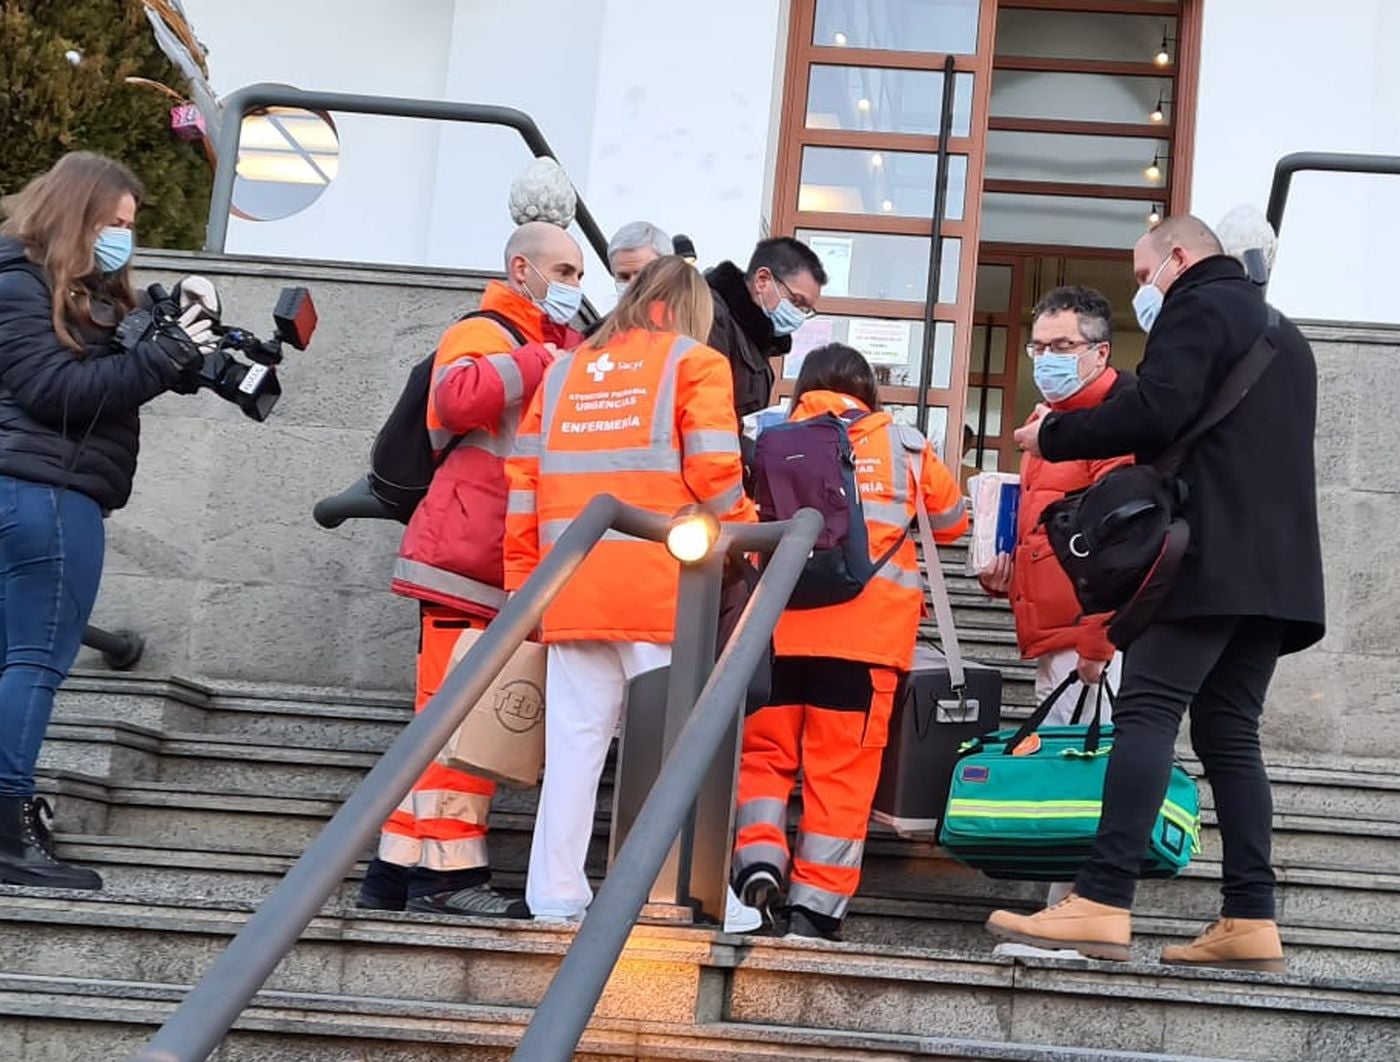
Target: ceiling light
pixel 887 206
pixel 877 160
pixel 862 104
pixel 1153 172
pixel 839 39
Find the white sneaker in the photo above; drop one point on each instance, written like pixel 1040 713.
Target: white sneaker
pixel 739 918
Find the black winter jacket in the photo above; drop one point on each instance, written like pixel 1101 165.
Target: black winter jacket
pixel 66 418
pixel 1252 502
pixel 744 335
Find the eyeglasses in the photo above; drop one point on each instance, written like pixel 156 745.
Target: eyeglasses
pixel 807 311
pixel 1061 346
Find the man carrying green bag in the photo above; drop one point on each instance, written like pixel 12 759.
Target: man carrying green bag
pixel 1025 804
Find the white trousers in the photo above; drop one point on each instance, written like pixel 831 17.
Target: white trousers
pixel 1053 668
pixel 584 688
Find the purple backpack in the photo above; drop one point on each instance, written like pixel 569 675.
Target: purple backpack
pixel 811 464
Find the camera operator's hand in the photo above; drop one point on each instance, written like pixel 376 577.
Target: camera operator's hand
pixel 200 291
pixel 198 328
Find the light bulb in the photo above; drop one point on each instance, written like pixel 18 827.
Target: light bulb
pixel 1153 171
pixel 839 39
pixel 1158 115
pixel 1162 58
pixel 862 104
pixel 887 206
pixel 1153 218
pixel 877 160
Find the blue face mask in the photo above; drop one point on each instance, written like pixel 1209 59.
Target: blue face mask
pixel 561 302
pixel 113 248
pixel 1057 376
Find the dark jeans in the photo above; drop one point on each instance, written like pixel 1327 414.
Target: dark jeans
pixel 1221 668
pixel 51 544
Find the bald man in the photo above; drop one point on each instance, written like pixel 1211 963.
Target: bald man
pixel 432 852
pixel 1248 590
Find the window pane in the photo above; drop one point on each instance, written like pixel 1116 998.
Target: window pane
pixel 1081 35
pixel 869 265
pixel 875 99
pixel 893 347
pixel 937 423
pixel 991 459
pixel 1077 159
pixel 1078 97
pixel 974 412
pixel 903 25
pixel 1072 220
pixel 993 293
pixel 895 183
pixel 994 355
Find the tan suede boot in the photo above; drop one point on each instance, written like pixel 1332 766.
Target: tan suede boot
pixel 1093 929
pixel 1232 944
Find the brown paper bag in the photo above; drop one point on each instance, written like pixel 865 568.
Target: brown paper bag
pixel 502 737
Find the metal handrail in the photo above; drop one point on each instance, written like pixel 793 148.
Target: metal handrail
pixel 255 97
pixel 1328 161
pixel 210 1009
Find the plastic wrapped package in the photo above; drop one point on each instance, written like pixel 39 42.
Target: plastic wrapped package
pixel 996 500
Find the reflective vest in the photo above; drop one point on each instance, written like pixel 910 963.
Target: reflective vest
pixel 880 624
pixel 649 418
pixel 451 551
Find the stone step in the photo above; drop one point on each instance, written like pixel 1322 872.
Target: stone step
pixel 43 1019
pixel 679 976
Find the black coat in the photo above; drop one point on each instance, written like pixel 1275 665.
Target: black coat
pixel 66 418
pixel 743 333
pixel 1252 502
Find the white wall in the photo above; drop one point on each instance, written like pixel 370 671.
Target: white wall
pixel 1279 76
pixel 658 111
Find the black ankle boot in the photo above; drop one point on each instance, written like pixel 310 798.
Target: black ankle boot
pixel 26 849
pixel 385 887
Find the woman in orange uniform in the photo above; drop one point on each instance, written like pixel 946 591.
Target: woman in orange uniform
pixel 838 668
pixel 644 412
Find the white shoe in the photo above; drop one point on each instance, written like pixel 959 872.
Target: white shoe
pixel 557 921
pixel 739 918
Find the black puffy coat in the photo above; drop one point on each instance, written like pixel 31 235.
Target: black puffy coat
pixel 743 333
pixel 1252 502
pixel 66 418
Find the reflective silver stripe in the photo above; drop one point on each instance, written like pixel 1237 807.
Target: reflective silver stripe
pixel 509 372
pixel 752 855
pixel 520 502
pixel 551 530
pixel 451 804
pixel 896 513
pixel 416 573
pixel 831 904
pixel 663 413
pixel 553 387
pixel 462 854
pixel 526 446
pixel 899 470
pixel 725 501
pixel 767 810
pixel 710 442
pixel 949 517
pixel 497 444
pixel 400 850
pixel 901 577
pixel 829 851
pixel 602 461
pixel 439 437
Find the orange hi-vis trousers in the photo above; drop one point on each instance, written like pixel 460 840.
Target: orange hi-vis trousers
pixel 830 718
pixel 441 824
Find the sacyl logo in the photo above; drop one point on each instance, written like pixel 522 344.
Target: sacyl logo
pixel 600 367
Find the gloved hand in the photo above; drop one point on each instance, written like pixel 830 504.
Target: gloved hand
pixel 198 327
pixel 196 290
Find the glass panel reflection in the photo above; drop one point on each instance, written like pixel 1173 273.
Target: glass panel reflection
pixel 1078 97
pixel 941 26
pixel 893 183
pixel 1077 159
pixel 994 355
pixel 881 100
pixel 1073 220
pixel 869 265
pixel 993 293
pixel 1082 35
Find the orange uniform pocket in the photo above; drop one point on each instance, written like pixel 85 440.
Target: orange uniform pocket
pixel 884 684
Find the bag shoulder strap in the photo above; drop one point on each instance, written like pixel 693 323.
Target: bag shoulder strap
pixel 938 589
pixel 1242 377
pixel 517 337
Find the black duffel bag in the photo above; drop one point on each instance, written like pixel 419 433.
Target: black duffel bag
pixel 1121 540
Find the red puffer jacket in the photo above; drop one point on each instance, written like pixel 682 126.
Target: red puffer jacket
pixel 1047 612
pixel 451 552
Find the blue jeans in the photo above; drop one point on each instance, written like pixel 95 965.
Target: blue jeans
pixel 51 544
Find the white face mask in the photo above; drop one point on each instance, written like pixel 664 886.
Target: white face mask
pixel 622 286
pixel 1147 303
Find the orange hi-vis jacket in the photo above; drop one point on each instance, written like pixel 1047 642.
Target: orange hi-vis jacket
pixel 482 381
pixel 650 419
pixel 881 624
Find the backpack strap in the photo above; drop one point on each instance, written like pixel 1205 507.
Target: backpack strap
pixel 518 339
pixel 938 588
pixel 1242 377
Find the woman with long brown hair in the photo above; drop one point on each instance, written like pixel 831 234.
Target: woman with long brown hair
pixel 69 399
pixel 643 411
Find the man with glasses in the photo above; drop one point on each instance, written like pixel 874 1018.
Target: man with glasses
pixel 1071 341
pixel 758 309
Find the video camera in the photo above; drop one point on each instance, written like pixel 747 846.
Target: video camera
pixel 252 388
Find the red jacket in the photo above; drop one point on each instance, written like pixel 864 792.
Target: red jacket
pixel 1047 612
pixel 482 381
